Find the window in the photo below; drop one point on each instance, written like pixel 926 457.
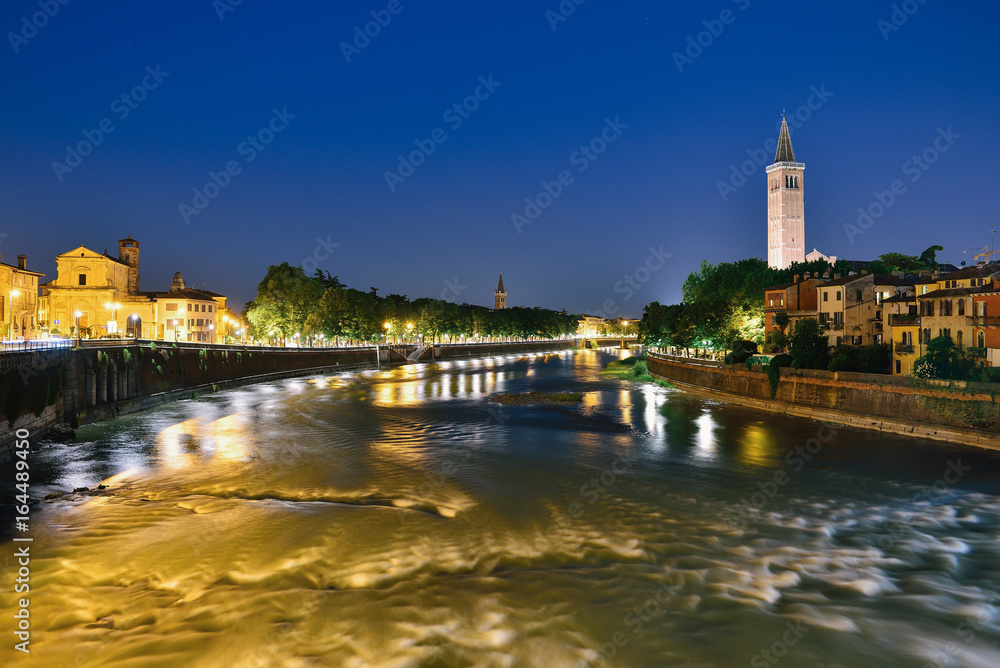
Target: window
pixel 899 367
pixel 190 323
pixel 83 279
pixel 860 295
pixel 826 296
pixel 171 307
pixel 959 337
pixel 838 295
pixel 961 307
pixel 981 340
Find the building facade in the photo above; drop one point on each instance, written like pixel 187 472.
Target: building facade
pixel 786 227
pixel 95 295
pixel 18 300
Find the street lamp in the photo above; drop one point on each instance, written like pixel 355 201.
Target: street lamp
pixel 135 330
pixel 409 328
pixel 175 321
pixel 78 336
pixel 211 329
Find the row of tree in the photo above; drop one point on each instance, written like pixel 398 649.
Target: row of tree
pixel 721 303
pixel 289 303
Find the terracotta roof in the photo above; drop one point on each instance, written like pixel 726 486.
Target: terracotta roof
pixel 23 271
pixel 779 287
pixel 844 280
pixel 971 272
pixel 950 292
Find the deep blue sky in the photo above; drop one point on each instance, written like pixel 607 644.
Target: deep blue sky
pixel 323 176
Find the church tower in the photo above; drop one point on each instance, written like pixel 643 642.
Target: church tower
pixel 786 225
pixel 128 252
pixel 500 296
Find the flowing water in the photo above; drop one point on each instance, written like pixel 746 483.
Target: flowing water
pixel 396 518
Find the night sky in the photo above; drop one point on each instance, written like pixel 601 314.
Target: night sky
pixel 884 97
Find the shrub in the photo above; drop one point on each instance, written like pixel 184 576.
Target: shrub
pixel 773 371
pixel 639 369
pixel 810 349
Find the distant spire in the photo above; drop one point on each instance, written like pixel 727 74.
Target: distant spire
pixel 500 287
pixel 785 152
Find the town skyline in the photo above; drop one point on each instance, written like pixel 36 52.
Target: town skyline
pixel 299 176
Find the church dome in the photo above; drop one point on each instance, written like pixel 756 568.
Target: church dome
pixel 178 283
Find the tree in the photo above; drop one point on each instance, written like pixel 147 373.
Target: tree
pixel 809 347
pixel 781 320
pixel 943 360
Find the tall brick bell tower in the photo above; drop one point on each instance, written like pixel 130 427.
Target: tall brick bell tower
pixel 128 252
pixel 786 223
pixel 500 296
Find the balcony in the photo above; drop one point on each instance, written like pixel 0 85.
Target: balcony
pixel 902 348
pixel 976 353
pixel 983 320
pixel 903 319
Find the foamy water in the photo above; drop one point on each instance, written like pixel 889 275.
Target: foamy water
pixel 396 519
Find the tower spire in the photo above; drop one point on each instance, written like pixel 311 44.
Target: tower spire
pixel 784 152
pixel 500 296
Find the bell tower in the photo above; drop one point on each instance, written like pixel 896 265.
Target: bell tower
pixel 128 252
pixel 500 296
pixel 786 226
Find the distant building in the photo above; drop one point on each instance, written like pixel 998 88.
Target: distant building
pixel 589 326
pixel 786 228
pixel 500 296
pixel 18 300
pixel 798 299
pixel 816 255
pixel 105 292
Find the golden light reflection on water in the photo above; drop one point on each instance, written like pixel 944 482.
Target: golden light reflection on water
pixel 757 445
pixel 189 443
pixel 706 436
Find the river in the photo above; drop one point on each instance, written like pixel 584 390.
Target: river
pixel 396 518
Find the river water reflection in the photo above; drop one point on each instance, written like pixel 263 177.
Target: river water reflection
pixel 396 518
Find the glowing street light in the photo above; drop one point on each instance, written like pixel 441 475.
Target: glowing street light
pixel 135 329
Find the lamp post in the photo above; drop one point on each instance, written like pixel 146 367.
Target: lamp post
pixel 225 327
pixel 211 329
pixel 135 330
pixel 79 341
pixel 387 326
pixel 409 330
pixel 174 321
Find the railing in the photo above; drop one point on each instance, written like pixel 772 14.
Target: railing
pixel 983 320
pixel 903 348
pixel 835 326
pixel 33 346
pixel 976 353
pixel 903 319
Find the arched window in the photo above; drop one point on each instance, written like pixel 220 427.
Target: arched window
pixel 959 338
pixel 981 340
